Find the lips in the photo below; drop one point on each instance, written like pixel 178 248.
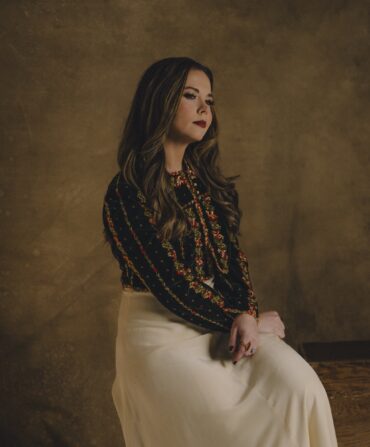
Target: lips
pixel 200 123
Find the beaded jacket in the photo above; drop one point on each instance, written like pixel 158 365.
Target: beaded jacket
pixel 175 271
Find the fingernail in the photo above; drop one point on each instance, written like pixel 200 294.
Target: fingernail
pixel 231 348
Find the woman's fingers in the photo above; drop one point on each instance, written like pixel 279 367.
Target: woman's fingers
pixel 243 336
pixel 270 321
pixel 281 329
pixel 241 348
pixel 233 338
pixel 279 332
pixel 251 349
pixel 245 349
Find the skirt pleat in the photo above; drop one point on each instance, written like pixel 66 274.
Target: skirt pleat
pixel 176 386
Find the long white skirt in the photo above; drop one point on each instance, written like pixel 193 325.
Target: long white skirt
pixel 176 386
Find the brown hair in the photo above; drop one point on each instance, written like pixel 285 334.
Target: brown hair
pixel 141 156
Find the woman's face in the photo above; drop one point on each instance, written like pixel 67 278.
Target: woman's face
pixel 195 105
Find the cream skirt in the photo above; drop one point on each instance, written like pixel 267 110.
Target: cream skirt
pixel 176 386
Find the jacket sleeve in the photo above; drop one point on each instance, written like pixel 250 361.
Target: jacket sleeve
pixel 237 282
pixel 134 241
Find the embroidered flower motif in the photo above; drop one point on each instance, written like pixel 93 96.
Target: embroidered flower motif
pixel 220 256
pixel 181 269
pixel 208 249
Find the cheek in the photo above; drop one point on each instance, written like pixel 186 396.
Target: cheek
pixel 185 111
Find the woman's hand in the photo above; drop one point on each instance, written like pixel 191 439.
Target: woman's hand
pixel 244 331
pixel 270 322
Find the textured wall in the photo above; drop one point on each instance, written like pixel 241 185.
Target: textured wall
pixel 291 90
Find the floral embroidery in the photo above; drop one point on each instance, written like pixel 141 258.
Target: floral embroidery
pixel 118 242
pixel 198 241
pixel 221 259
pixel 252 299
pixel 179 267
pixel 177 178
pixel 207 242
pixel 180 178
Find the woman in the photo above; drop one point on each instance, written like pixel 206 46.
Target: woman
pixel 172 220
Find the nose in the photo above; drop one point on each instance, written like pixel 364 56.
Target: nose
pixel 203 107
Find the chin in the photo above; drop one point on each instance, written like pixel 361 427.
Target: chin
pixel 199 136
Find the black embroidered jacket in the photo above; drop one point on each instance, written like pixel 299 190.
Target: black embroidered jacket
pixel 175 270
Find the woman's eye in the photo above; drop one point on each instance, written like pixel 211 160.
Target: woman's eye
pixel 210 102
pixel 189 95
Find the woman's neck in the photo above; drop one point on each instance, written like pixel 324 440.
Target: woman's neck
pixel 174 155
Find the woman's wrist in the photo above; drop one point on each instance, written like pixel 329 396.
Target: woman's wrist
pixel 251 316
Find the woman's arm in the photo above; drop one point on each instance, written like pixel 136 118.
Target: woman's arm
pixel 134 241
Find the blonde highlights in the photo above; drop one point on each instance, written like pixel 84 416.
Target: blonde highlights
pixel 141 155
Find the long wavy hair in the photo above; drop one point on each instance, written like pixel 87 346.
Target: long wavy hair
pixel 141 155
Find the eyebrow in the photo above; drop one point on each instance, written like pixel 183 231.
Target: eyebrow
pixel 209 94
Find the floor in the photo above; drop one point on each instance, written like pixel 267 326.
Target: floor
pixel 347 382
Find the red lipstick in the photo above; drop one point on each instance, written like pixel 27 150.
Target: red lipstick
pixel 201 123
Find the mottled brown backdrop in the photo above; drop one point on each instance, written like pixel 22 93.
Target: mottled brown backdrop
pixel 292 96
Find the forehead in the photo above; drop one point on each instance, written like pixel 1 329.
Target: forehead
pixel 198 79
